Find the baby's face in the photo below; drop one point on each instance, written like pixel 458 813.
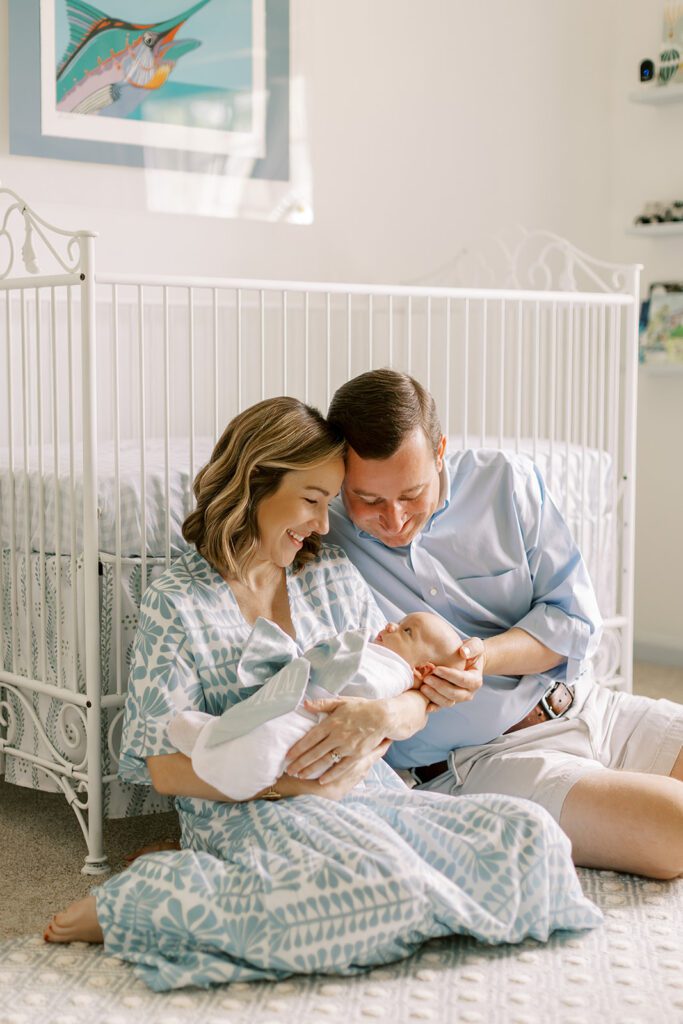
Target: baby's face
pixel 419 638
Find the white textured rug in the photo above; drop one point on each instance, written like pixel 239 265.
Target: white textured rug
pixel 629 971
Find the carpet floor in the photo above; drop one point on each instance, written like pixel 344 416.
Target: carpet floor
pixel 626 972
pixel 630 971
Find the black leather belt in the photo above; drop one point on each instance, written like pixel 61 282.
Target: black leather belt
pixel 552 704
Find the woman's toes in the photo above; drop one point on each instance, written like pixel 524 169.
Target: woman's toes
pixel 78 923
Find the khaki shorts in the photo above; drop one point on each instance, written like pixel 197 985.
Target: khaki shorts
pixel 602 729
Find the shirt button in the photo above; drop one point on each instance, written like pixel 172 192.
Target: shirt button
pixel 433 591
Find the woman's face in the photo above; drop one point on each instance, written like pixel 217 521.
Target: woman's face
pixel 296 509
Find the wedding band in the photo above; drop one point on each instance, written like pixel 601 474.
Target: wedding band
pixel 336 758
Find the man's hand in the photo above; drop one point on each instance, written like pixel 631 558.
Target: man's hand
pixel 446 686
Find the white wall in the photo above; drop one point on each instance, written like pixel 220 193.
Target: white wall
pixel 647 155
pixel 432 125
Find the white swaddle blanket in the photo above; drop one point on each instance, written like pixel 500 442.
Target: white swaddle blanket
pixel 242 751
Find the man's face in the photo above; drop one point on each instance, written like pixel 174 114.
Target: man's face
pixel 392 499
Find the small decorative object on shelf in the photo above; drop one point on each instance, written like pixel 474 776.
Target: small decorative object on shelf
pixel 659 212
pixel 661 324
pixel 669 67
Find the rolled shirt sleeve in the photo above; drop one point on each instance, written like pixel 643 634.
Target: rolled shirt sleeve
pixel 564 613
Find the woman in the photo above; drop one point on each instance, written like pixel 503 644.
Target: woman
pixel 337 876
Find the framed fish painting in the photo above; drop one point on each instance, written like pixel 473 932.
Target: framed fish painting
pixel 194 89
pixel 192 79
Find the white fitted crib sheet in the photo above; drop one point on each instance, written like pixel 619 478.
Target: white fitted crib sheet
pixel 140 512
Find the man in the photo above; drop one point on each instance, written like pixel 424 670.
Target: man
pixel 475 536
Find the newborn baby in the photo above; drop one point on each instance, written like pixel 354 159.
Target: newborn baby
pixel 242 751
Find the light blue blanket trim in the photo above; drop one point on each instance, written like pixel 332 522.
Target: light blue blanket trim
pixel 272 660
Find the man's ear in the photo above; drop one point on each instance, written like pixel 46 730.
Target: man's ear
pixel 440 452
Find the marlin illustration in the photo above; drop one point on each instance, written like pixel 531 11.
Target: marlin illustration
pixel 109 64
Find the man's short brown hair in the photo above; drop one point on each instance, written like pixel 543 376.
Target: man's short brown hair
pixel 379 409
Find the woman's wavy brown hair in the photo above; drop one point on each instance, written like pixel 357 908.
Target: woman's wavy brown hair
pixel 248 463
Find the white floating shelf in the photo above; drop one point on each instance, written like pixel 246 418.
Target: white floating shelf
pixel 657 94
pixel 656 230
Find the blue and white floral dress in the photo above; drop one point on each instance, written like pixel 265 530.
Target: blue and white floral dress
pixel 303 885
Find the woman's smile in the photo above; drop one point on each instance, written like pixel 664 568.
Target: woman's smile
pixel 303 495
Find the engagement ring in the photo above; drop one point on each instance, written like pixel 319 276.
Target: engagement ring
pixel 336 758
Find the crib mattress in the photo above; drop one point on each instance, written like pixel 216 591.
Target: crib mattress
pixel 137 507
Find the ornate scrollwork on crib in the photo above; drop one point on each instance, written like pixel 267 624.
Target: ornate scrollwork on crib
pixel 71 730
pixel 543 260
pixel 607 658
pixel 534 260
pixel 61 248
pixel 8 723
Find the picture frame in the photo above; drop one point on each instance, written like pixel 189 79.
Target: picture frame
pixel 661 326
pixel 190 167
pixel 104 88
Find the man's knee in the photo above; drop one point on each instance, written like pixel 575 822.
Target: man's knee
pixel 624 821
pixel 668 853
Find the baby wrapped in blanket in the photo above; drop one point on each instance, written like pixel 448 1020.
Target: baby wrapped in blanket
pixel 242 751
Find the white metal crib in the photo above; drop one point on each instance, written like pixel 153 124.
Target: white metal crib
pixel 113 390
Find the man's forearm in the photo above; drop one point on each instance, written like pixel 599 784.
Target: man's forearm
pixel 517 653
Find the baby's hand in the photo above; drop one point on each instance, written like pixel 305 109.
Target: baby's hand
pixel 423 672
pixel 459 681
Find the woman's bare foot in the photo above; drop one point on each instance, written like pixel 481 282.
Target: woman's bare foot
pixel 78 923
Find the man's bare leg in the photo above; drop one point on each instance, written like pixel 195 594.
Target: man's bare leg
pixel 78 923
pixel 627 821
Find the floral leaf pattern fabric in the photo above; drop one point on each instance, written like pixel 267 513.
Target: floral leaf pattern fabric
pixel 264 890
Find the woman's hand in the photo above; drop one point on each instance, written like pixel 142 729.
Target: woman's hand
pixel 446 686
pixel 353 728
pixel 343 777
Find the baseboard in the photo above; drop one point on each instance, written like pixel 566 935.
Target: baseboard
pixel 659 652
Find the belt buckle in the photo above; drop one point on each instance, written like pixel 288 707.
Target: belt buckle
pixel 544 702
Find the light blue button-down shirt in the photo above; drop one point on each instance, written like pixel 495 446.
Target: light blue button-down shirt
pixel 496 554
